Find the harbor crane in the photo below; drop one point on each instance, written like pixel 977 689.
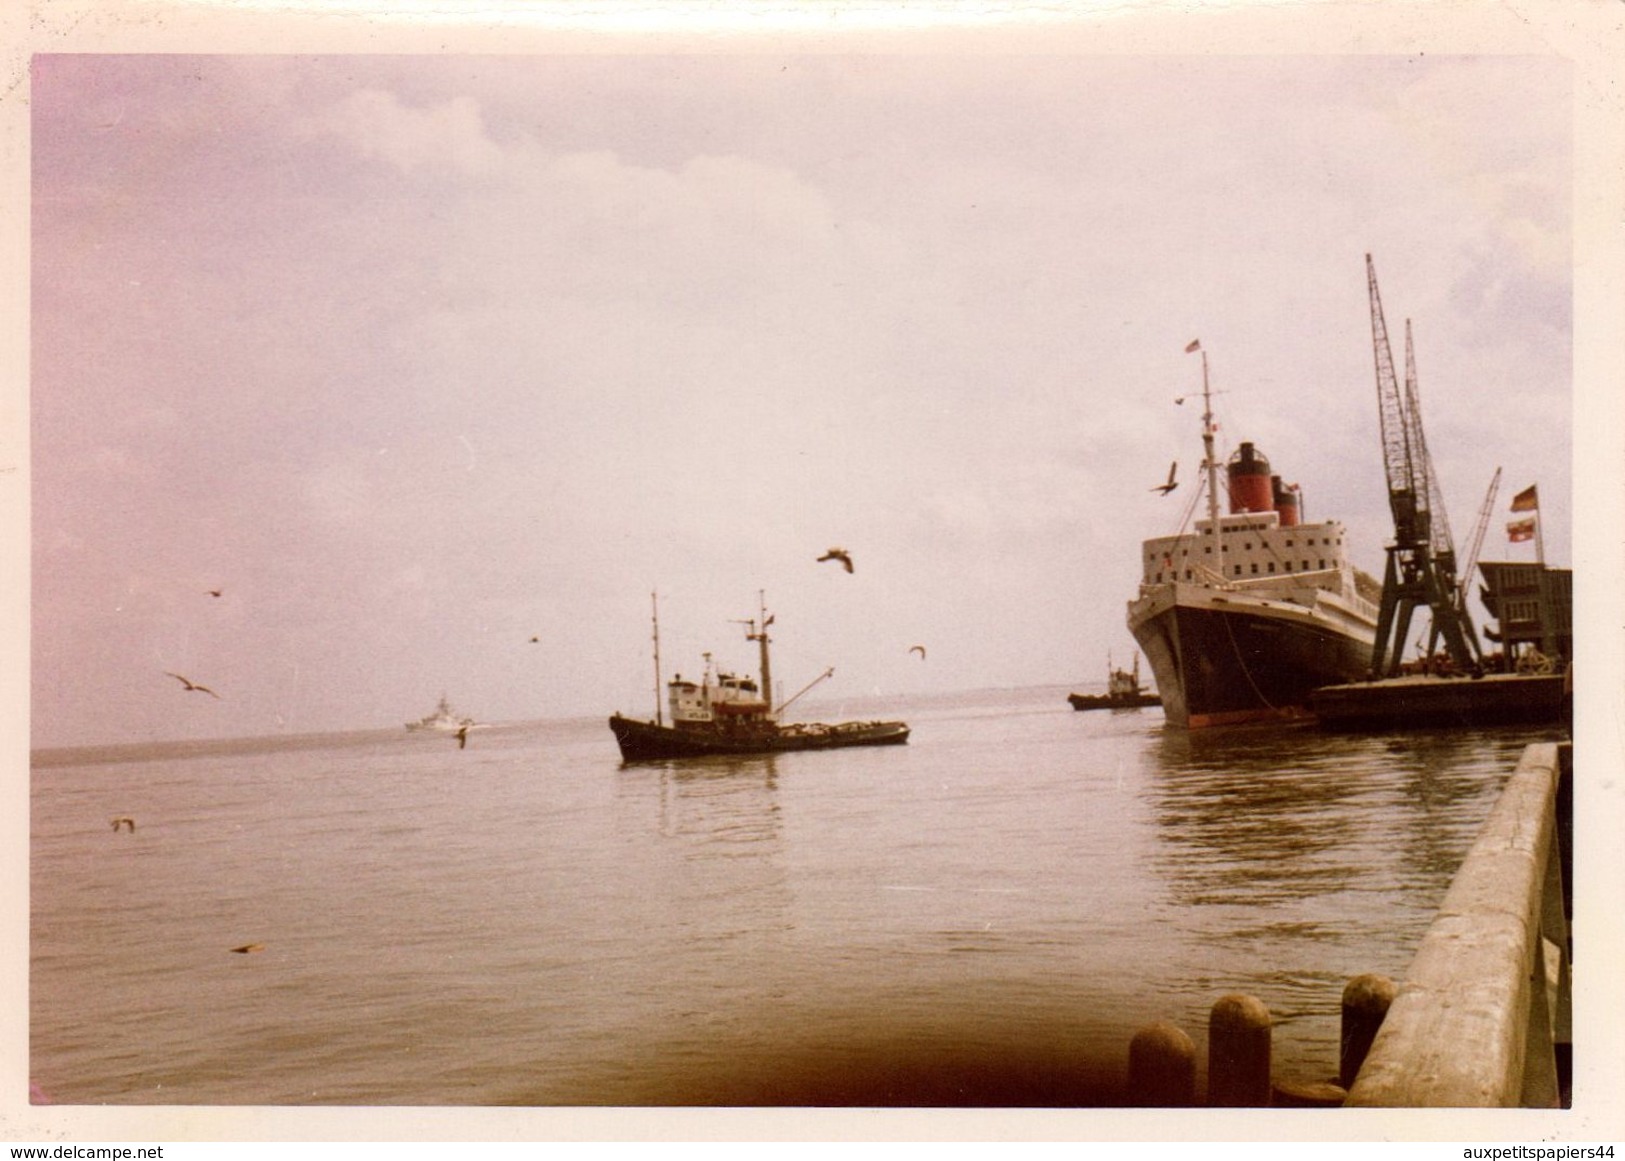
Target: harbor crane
pixel 1477 543
pixel 1441 544
pixel 1421 568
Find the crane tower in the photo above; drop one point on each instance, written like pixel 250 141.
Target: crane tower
pixel 1421 569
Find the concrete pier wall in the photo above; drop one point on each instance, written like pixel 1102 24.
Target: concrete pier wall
pixel 1481 1019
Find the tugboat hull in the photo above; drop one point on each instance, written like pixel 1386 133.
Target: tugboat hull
pixel 643 741
pixel 1093 701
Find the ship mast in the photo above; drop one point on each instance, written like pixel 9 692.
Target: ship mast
pixel 1211 464
pixel 760 637
pixel 654 603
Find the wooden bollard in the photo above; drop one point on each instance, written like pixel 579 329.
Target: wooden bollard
pixel 1161 1068
pixel 1365 1003
pixel 1238 1053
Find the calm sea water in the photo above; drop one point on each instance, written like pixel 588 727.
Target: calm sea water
pixel 983 916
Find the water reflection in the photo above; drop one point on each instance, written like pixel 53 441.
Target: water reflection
pixel 1253 814
pixel 1443 782
pixel 1266 815
pixel 714 827
pixel 731 798
pixel 1294 859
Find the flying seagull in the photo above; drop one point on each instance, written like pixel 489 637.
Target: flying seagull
pixel 839 554
pixel 1171 484
pixel 214 592
pixel 535 640
pixel 123 821
pixel 920 649
pixel 192 685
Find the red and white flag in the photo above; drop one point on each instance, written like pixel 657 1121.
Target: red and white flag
pixel 1526 500
pixel 1521 530
pixel 1193 345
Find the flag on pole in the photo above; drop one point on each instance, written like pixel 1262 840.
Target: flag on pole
pixel 1521 530
pixel 1193 345
pixel 1526 500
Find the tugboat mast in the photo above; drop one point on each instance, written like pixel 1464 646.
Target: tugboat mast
pixel 654 602
pixel 761 639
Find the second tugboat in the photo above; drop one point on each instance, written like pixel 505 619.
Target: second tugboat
pixel 728 714
pixel 1244 617
pixel 1123 691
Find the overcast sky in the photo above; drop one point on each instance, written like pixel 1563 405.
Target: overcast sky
pixel 416 358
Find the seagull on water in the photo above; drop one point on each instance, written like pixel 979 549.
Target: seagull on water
pixel 839 554
pixel 1172 483
pixel 249 948
pixel 214 592
pixel 191 685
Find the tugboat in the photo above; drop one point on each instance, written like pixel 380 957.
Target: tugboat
pixel 1122 691
pixel 1242 618
pixel 724 713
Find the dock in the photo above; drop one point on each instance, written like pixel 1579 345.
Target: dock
pixel 1483 1017
pixel 1399 702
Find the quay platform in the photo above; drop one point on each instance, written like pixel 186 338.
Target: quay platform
pixel 1398 702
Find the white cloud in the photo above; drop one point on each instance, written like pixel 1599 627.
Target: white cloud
pixel 450 135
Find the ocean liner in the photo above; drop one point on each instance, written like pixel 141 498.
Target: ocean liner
pixel 1246 615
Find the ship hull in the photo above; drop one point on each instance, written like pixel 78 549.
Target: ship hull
pixel 1221 659
pixel 643 741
